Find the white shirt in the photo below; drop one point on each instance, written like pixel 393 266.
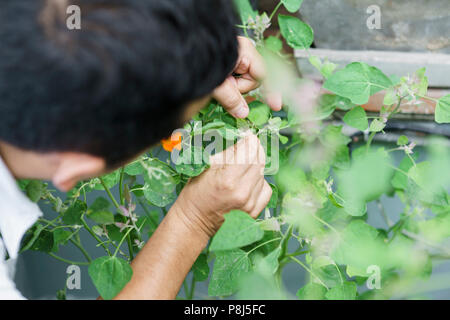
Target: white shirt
pixel 17 215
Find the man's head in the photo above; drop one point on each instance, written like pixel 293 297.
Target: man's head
pixel 117 86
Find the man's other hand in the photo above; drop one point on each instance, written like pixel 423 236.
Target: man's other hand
pixel 251 70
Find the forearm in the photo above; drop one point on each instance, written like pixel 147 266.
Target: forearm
pixel 161 266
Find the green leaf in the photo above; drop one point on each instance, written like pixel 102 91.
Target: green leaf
pixel 274 44
pixel 326 106
pixel 44 242
pixel 101 217
pixel 72 216
pixel 346 291
pixel 357 82
pixel 368 177
pixel 271 260
pixel 238 230
pixel 390 97
pixel 61 236
pixel 357 118
pixel 134 169
pixel 110 179
pixel 35 189
pixel 400 179
pixel 259 113
pixel 200 268
pixel 109 275
pixel 191 162
pixel 333 137
pixel 298 34
pixel 158 199
pixel 61 295
pixel 358 247
pixel 283 139
pixel 325 268
pixel 159 176
pixel 99 213
pixel 312 291
pixel 99 204
pixel 228 269
pixel 30 237
pixel 274 198
pixel 402 140
pixel 22 183
pixel 245 10
pixel 328 69
pixel 292 5
pixel 436 229
pixel 442 114
pixel 377 126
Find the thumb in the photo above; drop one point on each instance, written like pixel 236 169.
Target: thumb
pixel 229 96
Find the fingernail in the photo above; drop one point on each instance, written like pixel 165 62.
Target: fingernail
pixel 242 111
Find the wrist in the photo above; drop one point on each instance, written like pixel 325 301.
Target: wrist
pixel 200 221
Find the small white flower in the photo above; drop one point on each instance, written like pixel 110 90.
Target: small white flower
pixel 138 243
pixel 408 148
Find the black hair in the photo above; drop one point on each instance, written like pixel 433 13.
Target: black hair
pixel 116 86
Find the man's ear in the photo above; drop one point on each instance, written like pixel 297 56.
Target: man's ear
pixel 73 167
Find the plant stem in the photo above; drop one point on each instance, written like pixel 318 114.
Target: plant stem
pixel 297 253
pixel 130 246
pixel 192 290
pixel 109 194
pixel 83 251
pixel 68 261
pixel 121 197
pixel 309 270
pixel 275 10
pixel 121 241
pixel 369 141
pixel 186 290
pixel 95 236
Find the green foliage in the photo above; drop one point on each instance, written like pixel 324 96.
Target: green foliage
pixel 357 82
pixel 35 190
pixel 73 214
pixel 245 10
pixel 346 291
pixel 312 291
pixel 357 118
pixel 238 230
pixel 443 110
pixel 110 275
pixel 320 193
pixel 229 268
pixel 292 5
pixel 259 113
pixel 298 34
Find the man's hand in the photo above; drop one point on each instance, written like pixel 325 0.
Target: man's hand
pixel 235 180
pixel 250 67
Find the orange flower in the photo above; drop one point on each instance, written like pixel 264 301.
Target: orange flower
pixel 173 142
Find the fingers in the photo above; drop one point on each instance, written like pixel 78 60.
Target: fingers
pixel 263 200
pixel 247 154
pixel 274 100
pixel 229 96
pixel 250 61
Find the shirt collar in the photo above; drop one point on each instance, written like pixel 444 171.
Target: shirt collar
pixel 17 212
